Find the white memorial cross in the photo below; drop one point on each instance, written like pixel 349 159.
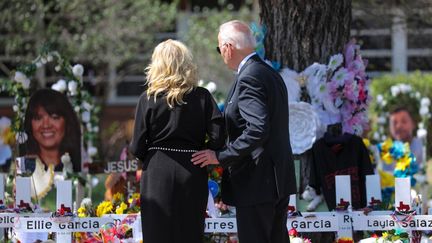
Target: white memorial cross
pixel 343 199
pixel 64 199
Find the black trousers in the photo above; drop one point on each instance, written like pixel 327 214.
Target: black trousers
pixel 174 196
pixel 263 223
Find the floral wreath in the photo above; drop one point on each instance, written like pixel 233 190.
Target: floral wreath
pixel 401 94
pixel 399 154
pixel 71 85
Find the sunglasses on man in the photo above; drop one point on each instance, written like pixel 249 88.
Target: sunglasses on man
pixel 219 50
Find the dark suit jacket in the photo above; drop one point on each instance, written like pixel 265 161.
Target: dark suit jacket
pixel 257 158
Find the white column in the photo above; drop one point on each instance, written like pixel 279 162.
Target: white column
pixel 182 24
pixel 399 42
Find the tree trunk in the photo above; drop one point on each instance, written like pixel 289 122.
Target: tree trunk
pixel 301 32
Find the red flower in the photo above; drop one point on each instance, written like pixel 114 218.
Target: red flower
pixel 293 232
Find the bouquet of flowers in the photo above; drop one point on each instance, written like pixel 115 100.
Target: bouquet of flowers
pixel 120 232
pixel 118 205
pixel 396 235
pixel 399 155
pixel 338 91
pixel 347 88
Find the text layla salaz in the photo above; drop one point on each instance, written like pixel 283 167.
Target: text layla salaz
pixel 415 223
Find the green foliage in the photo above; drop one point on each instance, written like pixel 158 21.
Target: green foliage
pixel 201 38
pixel 97 31
pixel 420 81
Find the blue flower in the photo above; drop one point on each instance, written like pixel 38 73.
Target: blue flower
pixel 397 150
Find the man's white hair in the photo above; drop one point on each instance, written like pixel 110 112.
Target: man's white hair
pixel 238 34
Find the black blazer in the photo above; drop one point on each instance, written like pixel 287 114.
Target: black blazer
pixel 257 158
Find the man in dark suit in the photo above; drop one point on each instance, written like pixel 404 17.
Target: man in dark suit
pixel 257 160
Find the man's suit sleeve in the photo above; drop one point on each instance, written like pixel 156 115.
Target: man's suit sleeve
pixel 253 109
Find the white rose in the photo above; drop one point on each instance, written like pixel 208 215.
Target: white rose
pixel 15 108
pixel 421 133
pixel 92 151
pixel 424 110
pixel 200 82
pixel 60 86
pixel 211 87
pixel 77 108
pixel 72 87
pixel 86 202
pixel 39 64
pixel 405 88
pixel 379 98
pixel 395 90
pixel 89 127
pixel 78 70
pixel 96 129
pixel 65 158
pixel 303 126
pixel 43 60
pixel 425 101
pixel 94 181
pixel 420 125
pixel 21 137
pixel 85 116
pixel 26 84
pixel 57 68
pixel 49 58
pixel 87 106
pixel 20 77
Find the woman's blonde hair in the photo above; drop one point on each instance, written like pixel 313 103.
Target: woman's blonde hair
pixel 171 72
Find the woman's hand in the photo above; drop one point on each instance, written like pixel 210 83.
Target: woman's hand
pixel 204 158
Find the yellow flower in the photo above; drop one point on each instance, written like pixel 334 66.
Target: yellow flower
pixel 135 197
pixel 78 236
pixel 118 197
pixel 387 179
pixel 386 145
pixel 385 235
pixel 366 142
pixel 8 136
pixel 104 208
pixel 387 158
pixel 403 163
pixel 120 209
pixel 82 212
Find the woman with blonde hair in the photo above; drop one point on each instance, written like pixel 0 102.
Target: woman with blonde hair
pixel 173 119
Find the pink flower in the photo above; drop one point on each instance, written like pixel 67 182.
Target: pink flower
pixel 356 66
pixel 293 232
pixel 350 52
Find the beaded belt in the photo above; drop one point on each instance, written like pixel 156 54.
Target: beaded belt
pixel 174 149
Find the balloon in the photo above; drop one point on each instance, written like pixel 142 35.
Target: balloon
pixel 213 187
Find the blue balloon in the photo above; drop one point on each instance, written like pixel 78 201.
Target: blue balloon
pixel 221 106
pixel 213 187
